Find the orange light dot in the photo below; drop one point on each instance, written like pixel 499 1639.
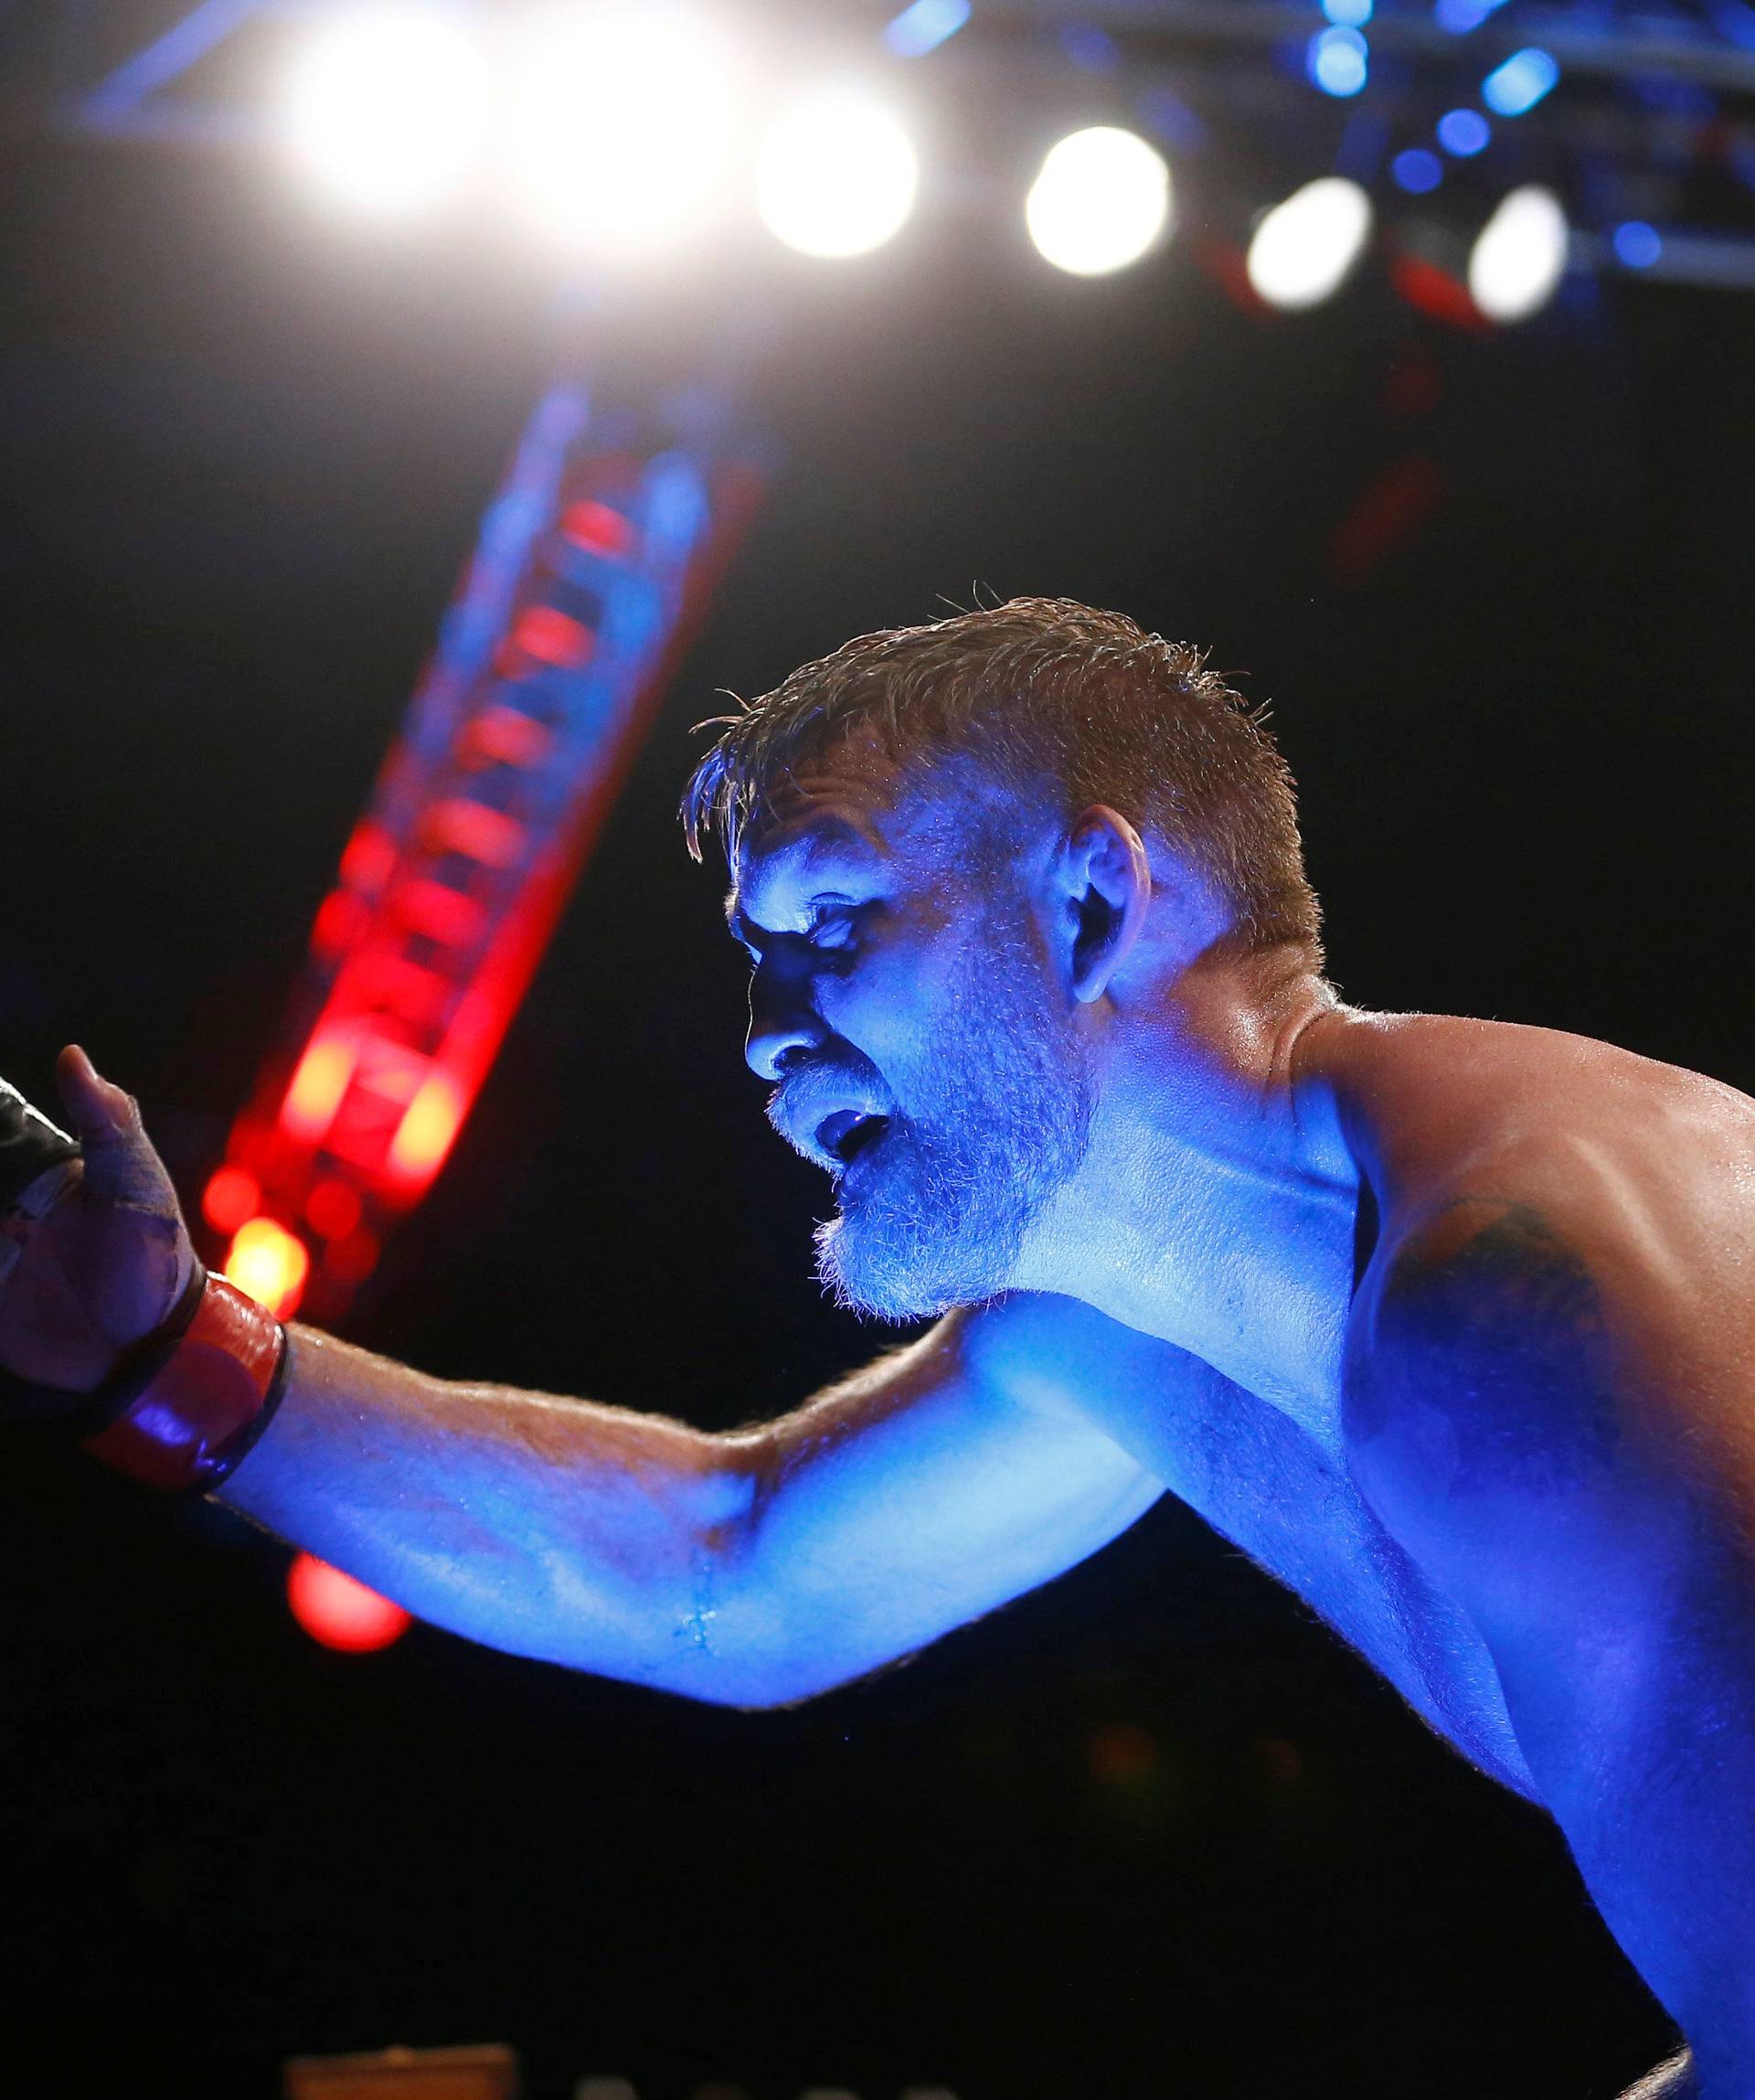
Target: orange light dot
pixel 268 1264
pixel 428 1127
pixel 230 1197
pixel 340 1613
pixel 317 1087
pixel 332 1209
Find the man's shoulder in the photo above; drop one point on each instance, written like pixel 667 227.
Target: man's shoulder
pixel 1450 1117
pixel 1539 1191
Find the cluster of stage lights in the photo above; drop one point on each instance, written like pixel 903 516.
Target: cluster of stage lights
pixel 1520 255
pixel 612 131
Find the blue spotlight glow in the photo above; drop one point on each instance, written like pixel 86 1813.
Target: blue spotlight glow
pixel 1337 60
pixel 1172 119
pixel 1465 132
pixel 924 26
pixel 1091 49
pixel 1349 14
pixel 1636 244
pixel 1458 17
pixel 1418 171
pixel 1520 83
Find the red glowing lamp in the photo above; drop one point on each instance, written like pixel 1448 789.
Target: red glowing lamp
pixel 339 1613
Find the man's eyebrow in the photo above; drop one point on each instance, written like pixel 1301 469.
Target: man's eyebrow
pixel 826 834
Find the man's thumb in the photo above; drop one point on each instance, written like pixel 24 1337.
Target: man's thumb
pixel 99 1111
pixel 120 1167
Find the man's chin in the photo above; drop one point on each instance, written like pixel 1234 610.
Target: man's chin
pixel 868 1273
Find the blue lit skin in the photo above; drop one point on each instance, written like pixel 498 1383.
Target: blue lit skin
pixel 1510 1465
pixel 861 1005
pixel 881 958
pixel 1478 1401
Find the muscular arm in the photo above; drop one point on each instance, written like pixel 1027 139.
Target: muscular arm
pixel 750 1569
pixel 1552 1413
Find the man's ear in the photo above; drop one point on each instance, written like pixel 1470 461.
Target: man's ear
pixel 1103 886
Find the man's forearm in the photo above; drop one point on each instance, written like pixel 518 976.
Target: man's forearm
pixel 586 1535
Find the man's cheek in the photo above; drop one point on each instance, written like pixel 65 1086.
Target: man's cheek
pixel 888 1014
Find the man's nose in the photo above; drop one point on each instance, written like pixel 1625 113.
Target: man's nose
pixel 781 1020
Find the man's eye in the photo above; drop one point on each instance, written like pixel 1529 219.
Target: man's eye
pixel 830 930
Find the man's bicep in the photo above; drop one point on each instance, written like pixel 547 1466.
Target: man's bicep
pixel 919 1495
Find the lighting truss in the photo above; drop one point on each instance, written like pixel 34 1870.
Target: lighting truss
pixel 594 562
pixel 1647 89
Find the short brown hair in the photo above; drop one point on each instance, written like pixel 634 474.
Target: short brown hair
pixel 1044 686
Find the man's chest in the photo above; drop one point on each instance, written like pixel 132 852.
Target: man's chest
pixel 1285 1496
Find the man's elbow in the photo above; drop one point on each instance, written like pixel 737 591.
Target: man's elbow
pixel 766 1651
pixel 771 1675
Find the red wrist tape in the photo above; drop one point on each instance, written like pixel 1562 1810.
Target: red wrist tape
pixel 185 1419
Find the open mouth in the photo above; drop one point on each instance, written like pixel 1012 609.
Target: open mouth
pixel 847 1133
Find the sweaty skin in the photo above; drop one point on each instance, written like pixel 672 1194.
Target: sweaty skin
pixel 1445 1323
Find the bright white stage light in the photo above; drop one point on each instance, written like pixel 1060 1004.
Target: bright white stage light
pixel 1303 249
pixel 1519 257
pixel 384 109
pixel 837 176
pixel 620 138
pixel 1102 199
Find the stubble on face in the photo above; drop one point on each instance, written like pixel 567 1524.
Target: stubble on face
pixel 993 1117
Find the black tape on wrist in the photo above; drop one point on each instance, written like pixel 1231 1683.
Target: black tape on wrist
pixel 34 1155
pixel 30 1147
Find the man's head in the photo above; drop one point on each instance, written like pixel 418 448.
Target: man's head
pixel 937 843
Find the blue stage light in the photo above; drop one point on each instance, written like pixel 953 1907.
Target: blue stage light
pixel 1465 132
pixel 1458 17
pixel 1091 49
pixel 924 26
pixel 1636 244
pixel 1417 170
pixel 1520 83
pixel 1349 14
pixel 1337 60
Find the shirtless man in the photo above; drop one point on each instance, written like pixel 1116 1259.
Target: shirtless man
pixel 1445 1323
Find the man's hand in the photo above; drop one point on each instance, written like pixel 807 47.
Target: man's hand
pixel 108 1261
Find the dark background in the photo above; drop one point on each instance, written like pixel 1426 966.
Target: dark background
pixel 1151 1832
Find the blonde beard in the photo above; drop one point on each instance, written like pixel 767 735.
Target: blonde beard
pixel 951 1188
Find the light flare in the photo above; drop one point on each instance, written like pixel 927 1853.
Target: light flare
pixel 270 1264
pixel 1102 198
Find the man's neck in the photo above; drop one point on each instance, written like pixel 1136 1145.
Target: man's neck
pixel 1217 1206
